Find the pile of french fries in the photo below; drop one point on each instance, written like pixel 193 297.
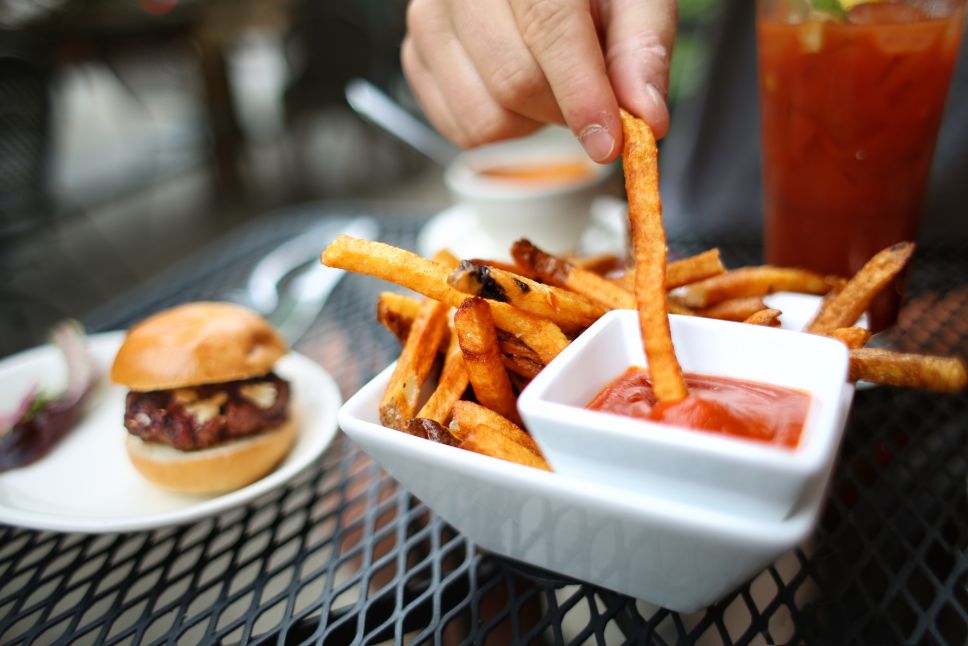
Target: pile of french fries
pixel 486 328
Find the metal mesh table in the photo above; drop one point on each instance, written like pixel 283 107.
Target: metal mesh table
pixel 342 554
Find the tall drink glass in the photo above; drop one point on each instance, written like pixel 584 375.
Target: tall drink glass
pixel 851 98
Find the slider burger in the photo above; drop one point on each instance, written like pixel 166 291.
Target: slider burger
pixel 205 413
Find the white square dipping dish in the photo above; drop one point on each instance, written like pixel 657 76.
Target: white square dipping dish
pixel 643 545
pixel 708 471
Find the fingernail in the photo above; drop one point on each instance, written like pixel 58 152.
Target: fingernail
pixel 597 142
pixel 656 96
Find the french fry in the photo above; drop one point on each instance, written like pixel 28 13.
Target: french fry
pixel 853 300
pixel 941 374
pixel 469 417
pixel 568 310
pixel 852 337
pixel 561 273
pixel 768 317
pixel 694 268
pixel 430 279
pixel 450 387
pixel 735 309
pixel 754 281
pixel 396 313
pixel 482 360
pixel 428 429
pixel 484 441
pixel 640 161
pixel 399 403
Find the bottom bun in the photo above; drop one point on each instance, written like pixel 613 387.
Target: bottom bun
pixel 218 469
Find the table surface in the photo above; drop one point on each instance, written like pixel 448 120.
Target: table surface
pixel 343 554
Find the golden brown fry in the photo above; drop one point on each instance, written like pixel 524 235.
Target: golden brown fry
pixel 430 279
pixel 768 317
pixel 735 309
pixel 852 337
pixel 561 273
pixel 429 429
pixel 569 311
pixel 754 281
pixel 450 387
pixel 485 442
pixel 694 268
pixel 399 403
pixel 396 312
pixel 482 359
pixel 518 357
pixel 853 300
pixel 941 374
pixel 640 161
pixel 469 417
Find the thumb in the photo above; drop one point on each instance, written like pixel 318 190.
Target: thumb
pixel 639 35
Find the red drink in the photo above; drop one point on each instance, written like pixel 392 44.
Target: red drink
pixel 850 113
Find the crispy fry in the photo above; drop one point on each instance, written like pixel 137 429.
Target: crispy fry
pixel 569 311
pixel 512 267
pixel 450 387
pixel 941 374
pixel 399 403
pixel 518 357
pixel 735 309
pixel 853 300
pixel 396 312
pixel 768 317
pixel 429 429
pixel 478 343
pixel 484 441
pixel 852 337
pixel 754 281
pixel 469 417
pixel 640 161
pixel 694 268
pixel 430 279
pixel 561 273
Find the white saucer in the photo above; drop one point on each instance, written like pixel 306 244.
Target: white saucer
pixel 87 484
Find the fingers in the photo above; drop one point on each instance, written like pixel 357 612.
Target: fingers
pixel 489 34
pixel 639 36
pixel 448 85
pixel 562 37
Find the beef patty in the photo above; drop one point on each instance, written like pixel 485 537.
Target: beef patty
pixel 190 419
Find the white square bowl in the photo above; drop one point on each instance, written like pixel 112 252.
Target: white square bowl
pixel 633 542
pixel 743 478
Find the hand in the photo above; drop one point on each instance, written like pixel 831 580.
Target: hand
pixel 485 70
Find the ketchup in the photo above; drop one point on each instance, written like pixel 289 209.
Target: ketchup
pixel 746 409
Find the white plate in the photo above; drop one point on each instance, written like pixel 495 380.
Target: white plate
pixel 87 483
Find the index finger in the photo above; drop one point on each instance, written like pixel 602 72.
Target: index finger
pixel 563 39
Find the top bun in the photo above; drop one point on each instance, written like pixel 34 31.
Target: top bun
pixel 197 343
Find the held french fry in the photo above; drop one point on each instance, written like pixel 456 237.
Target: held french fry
pixel 754 281
pixel 478 343
pixel 941 374
pixel 768 317
pixel 430 279
pixel 469 417
pixel 640 161
pixel 845 308
pixel 450 387
pixel 399 404
pixel 569 311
